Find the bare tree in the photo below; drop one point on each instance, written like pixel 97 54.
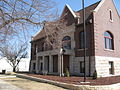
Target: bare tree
pixel 17 15
pixel 13 54
pixel 54 32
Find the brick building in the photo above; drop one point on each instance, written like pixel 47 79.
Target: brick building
pixel 103 51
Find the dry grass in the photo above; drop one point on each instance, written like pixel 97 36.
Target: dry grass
pixel 25 84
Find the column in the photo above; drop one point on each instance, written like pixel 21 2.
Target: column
pixel 37 65
pixel 62 65
pixel 59 64
pixel 43 63
pixel 50 64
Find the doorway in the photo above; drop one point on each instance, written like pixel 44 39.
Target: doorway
pixel 55 63
pixel 47 63
pixel 65 62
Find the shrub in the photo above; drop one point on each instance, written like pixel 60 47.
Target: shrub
pixel 95 75
pixel 45 72
pixel 67 72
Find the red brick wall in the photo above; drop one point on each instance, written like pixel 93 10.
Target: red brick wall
pixel 101 24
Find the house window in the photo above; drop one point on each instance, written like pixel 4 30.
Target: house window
pixel 35 49
pixel 34 65
pixel 67 42
pixel 110 12
pixel 41 66
pixel 111 68
pixel 42 49
pixel 81 67
pixel 81 40
pixel 108 40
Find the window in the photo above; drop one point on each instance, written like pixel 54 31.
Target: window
pixel 67 42
pixel 110 12
pixel 41 66
pixel 81 40
pixel 108 40
pixel 34 65
pixel 42 49
pixel 111 68
pixel 35 49
pixel 81 67
pixel 40 58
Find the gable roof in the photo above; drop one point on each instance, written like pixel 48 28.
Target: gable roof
pixel 39 35
pixel 69 8
pixel 75 14
pixel 89 10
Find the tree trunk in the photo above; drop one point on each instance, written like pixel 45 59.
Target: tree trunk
pixel 14 69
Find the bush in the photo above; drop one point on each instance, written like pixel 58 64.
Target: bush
pixel 67 72
pixel 45 72
pixel 95 75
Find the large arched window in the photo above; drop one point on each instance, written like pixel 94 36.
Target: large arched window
pixel 67 42
pixel 81 40
pixel 108 40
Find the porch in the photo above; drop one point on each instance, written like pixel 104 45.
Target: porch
pixel 51 64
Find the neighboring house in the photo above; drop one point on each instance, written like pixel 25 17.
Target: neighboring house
pixel 103 40
pixel 23 65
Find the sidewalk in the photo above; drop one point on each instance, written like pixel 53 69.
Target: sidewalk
pixel 6 86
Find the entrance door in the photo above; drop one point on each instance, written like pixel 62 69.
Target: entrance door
pixel 55 63
pixel 47 63
pixel 65 63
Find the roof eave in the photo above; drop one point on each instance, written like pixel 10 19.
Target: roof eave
pixel 99 6
pixel 72 12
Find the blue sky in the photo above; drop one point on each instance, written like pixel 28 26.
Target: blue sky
pixel 77 4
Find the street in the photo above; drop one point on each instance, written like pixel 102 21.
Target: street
pixel 14 83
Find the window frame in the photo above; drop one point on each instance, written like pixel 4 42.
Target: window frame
pixel 111 67
pixel 108 41
pixel 34 66
pixel 110 15
pixel 82 68
pixel 66 43
pixel 81 40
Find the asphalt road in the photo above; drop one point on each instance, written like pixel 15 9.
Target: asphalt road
pixel 14 83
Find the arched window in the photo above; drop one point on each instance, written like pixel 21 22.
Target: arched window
pixel 108 40
pixel 67 42
pixel 81 40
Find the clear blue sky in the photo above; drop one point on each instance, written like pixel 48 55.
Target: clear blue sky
pixel 77 4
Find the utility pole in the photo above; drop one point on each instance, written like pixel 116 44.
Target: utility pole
pixel 84 28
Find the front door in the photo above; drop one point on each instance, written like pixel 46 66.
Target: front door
pixel 47 63
pixel 55 63
pixel 65 63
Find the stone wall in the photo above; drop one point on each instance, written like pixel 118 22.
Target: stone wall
pixel 76 65
pixel 102 65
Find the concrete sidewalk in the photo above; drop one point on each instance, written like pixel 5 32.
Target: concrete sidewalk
pixel 6 86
